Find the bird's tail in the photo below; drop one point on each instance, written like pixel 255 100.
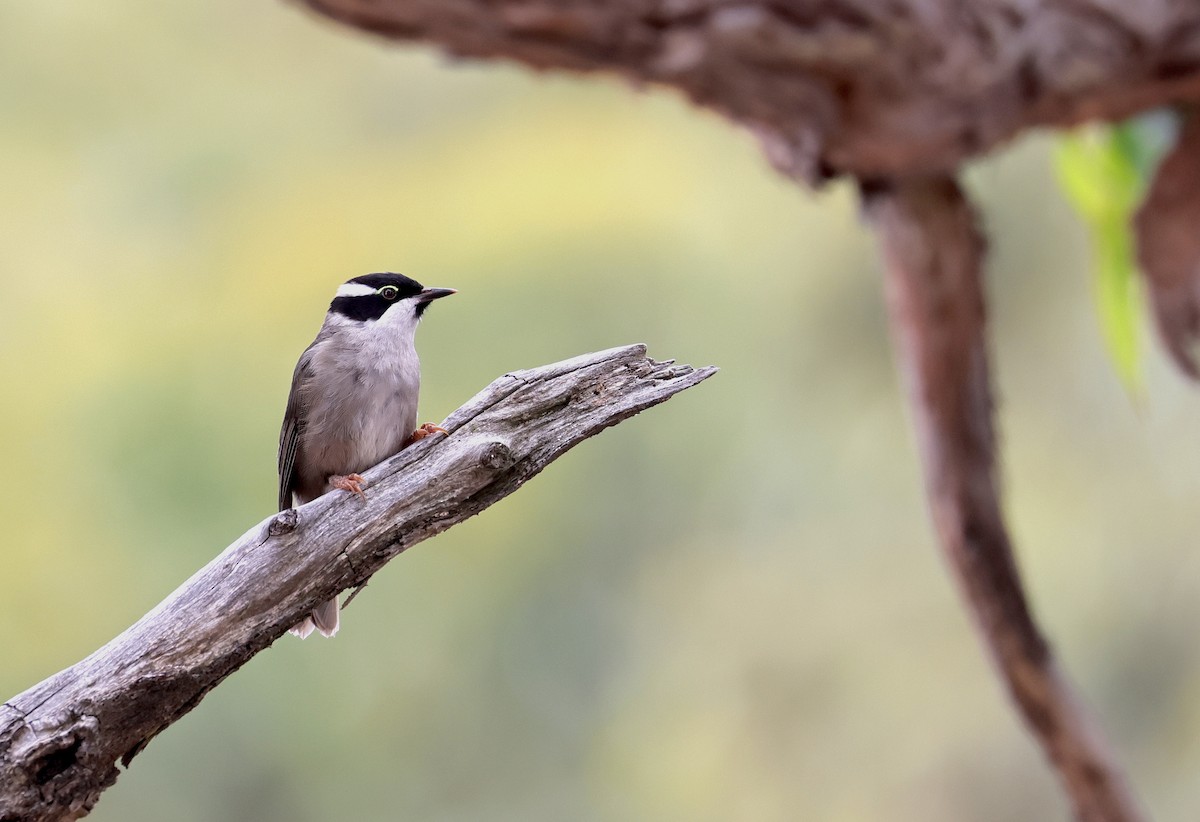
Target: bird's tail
pixel 323 619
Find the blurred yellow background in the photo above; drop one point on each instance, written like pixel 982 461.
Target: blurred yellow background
pixel 728 608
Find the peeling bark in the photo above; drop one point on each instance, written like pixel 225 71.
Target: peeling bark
pixel 61 739
pixel 933 258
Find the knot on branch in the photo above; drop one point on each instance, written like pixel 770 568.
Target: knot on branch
pixel 62 755
pixel 283 523
pixel 495 455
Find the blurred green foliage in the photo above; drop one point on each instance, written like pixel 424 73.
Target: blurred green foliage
pixel 1104 171
pixel 728 608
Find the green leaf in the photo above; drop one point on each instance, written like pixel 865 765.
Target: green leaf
pixel 1104 170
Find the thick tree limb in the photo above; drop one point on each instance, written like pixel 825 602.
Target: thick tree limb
pixel 858 87
pixel 60 740
pixel 933 255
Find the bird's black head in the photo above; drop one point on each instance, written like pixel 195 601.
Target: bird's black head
pixel 371 296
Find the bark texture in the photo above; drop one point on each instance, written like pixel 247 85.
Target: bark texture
pixel 61 739
pixel 858 87
pixel 933 259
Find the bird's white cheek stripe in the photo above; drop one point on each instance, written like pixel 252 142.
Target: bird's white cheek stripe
pixel 354 290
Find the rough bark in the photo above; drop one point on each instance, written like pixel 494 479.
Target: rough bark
pixel 61 739
pixel 858 87
pixel 933 258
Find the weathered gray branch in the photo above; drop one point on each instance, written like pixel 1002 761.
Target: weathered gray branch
pixel 858 87
pixel 60 740
pixel 933 257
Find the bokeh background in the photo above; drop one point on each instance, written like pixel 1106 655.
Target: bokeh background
pixel 729 608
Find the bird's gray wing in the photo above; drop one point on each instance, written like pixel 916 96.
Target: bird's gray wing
pixel 289 435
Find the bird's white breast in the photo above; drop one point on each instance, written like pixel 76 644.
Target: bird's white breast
pixel 362 399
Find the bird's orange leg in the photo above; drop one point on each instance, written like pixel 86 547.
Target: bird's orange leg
pixel 351 482
pixel 424 431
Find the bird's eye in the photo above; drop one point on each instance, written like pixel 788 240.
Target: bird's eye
pixel 389 292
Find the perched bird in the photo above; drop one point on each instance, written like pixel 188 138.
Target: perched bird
pixel 353 401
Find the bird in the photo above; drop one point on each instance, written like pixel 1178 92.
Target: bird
pixel 353 400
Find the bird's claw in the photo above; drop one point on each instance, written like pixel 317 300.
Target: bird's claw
pixel 351 482
pixel 425 430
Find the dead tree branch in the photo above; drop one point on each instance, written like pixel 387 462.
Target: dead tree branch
pixel 933 256
pixel 60 740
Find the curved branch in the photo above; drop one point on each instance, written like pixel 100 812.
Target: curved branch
pixel 60 740
pixel 868 89
pixel 933 256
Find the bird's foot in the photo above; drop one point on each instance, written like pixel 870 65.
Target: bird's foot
pixel 425 430
pixel 351 482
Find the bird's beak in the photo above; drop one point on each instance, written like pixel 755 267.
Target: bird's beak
pixel 431 294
